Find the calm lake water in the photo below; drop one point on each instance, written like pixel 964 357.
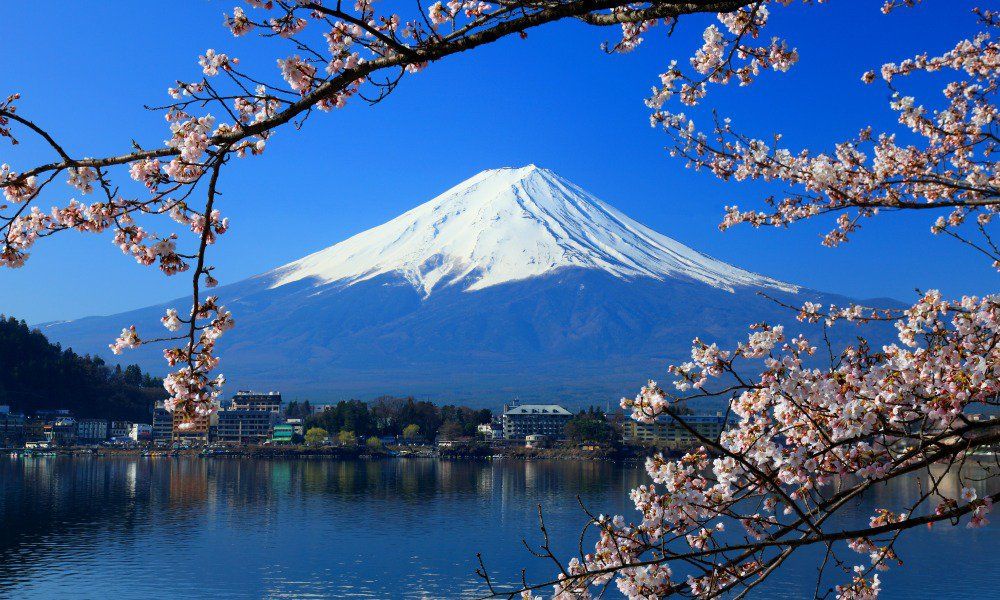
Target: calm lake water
pixel 399 528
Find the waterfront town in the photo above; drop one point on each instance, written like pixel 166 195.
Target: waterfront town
pixel 253 419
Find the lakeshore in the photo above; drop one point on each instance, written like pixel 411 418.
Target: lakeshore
pixel 286 452
pixel 261 424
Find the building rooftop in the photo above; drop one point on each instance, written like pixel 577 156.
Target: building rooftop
pixel 533 409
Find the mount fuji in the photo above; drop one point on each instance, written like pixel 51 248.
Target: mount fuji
pixel 507 225
pixel 515 282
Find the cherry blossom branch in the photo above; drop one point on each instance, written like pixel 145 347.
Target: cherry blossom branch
pixel 875 415
pixel 776 541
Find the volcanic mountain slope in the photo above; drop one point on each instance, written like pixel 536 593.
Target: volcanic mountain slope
pixel 515 282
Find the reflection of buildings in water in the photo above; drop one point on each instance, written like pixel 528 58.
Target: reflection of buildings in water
pixel 188 482
pixel 249 486
pixel 532 476
pixel 948 483
pixel 512 476
pixel 904 492
pixel 444 475
pixel 373 475
pixel 497 486
pixel 403 478
pixel 58 508
pixel 524 477
pixel 131 478
pixel 484 480
pixel 40 474
pixel 38 470
pixel 951 481
pixel 459 476
pixel 281 477
pixel 593 476
pixel 346 475
pixel 636 477
pixel 409 477
pixel 559 477
pixel 908 489
pixel 315 474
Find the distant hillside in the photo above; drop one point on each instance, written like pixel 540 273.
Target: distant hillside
pixel 38 375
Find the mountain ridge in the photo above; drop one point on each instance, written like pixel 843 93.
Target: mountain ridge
pixel 509 224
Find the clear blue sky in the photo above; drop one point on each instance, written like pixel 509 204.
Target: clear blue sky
pixel 554 99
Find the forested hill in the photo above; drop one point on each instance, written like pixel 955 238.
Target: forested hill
pixel 37 375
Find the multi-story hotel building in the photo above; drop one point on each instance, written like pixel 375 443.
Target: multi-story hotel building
pixel 249 418
pixel 119 429
pixel 62 431
pixel 666 432
pixel 92 431
pixel 163 423
pixel 191 430
pixel 245 426
pixel 534 419
pixel 141 432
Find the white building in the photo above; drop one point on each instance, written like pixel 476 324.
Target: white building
pixel 141 432
pixel 666 432
pixel 491 431
pixel 119 429
pixel 535 419
pixel 92 430
pixel 536 440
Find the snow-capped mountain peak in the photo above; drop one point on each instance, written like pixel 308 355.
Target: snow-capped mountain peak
pixel 510 224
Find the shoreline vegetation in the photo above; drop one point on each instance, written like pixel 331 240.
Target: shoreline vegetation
pixel 619 454
pixel 468 451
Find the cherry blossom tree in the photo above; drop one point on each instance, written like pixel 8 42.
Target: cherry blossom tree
pixel 807 440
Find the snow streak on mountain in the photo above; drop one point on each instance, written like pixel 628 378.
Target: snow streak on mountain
pixel 506 225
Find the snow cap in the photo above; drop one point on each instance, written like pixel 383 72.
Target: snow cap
pixel 509 224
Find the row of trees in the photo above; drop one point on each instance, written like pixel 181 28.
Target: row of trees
pixel 390 416
pixel 590 425
pixel 37 375
pixel 298 410
pixel 318 435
